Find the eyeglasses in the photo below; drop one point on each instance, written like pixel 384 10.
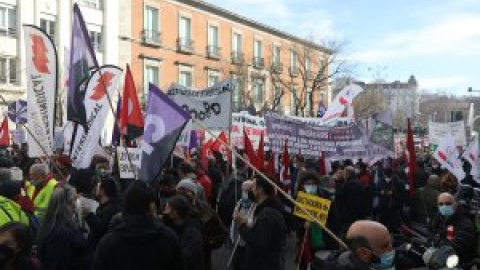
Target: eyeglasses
pixel 444 203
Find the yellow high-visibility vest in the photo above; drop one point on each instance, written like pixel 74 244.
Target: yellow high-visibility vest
pixel 11 211
pixel 43 197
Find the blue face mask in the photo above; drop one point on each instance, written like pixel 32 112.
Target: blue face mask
pixel 446 210
pixel 386 261
pixel 311 189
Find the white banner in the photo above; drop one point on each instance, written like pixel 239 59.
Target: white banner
pixel 41 69
pixel 254 126
pixel 437 131
pixel 184 139
pixel 126 170
pixel 447 155
pixel 341 101
pixel 19 136
pixel 97 108
pixel 211 106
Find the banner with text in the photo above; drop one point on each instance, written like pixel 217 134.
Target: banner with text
pixel 41 65
pixel 211 106
pixel 126 169
pixel 437 131
pixel 448 156
pixel 101 83
pixel 254 126
pixel 316 206
pixel 310 139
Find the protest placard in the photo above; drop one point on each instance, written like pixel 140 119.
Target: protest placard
pixel 316 206
pixel 124 167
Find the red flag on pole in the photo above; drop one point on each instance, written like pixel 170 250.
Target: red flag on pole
pixel 205 152
pixel 4 133
pixel 249 150
pixel 271 165
pixel 323 167
pixel 218 146
pixel 131 117
pixel 412 158
pixel 261 154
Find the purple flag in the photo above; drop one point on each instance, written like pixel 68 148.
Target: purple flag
pixel 164 123
pixel 193 140
pixel 82 59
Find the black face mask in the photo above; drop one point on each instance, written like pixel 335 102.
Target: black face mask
pixel 167 220
pixel 6 255
pixel 167 193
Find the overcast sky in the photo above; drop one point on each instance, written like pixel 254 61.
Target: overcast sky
pixel 438 41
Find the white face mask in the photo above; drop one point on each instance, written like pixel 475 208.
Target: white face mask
pixel 388 179
pixel 244 195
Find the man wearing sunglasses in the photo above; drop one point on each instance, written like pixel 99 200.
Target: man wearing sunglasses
pixel 452 228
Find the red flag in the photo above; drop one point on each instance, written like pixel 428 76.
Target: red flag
pixel 220 147
pixel 206 152
pixel 261 154
pixel 4 133
pixel 131 117
pixel 323 167
pixel 412 159
pixel 271 164
pixel 249 150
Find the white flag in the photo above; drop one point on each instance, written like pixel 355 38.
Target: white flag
pixel 471 155
pixel 41 69
pixel 341 101
pixel 447 154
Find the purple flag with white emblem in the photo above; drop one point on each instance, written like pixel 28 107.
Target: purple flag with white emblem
pixel 164 123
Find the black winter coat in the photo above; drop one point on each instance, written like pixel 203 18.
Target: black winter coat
pixel 99 222
pixel 138 242
pixel 192 244
pixel 465 237
pixel 265 241
pixel 64 247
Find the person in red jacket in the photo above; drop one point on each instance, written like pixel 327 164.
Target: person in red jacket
pixel 204 180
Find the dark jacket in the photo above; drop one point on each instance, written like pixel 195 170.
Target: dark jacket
pixel 99 222
pixel 138 242
pixel 424 204
pixel 265 240
pixel 464 241
pixel 64 247
pixel 191 243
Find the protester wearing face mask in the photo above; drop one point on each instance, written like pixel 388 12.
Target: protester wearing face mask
pixel 15 248
pixel 370 247
pixel 310 236
pixel 454 229
pixel 40 188
pixel 245 206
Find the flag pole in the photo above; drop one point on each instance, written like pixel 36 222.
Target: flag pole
pixel 277 188
pixel 36 140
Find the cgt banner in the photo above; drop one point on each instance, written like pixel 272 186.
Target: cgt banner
pixel 437 131
pixel 310 139
pixel 101 83
pixel 41 69
pixel 211 106
pixel 316 206
pixel 254 126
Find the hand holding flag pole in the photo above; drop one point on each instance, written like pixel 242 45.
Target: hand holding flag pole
pixel 277 188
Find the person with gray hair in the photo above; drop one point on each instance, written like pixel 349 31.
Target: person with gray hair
pixel 61 243
pixel 40 187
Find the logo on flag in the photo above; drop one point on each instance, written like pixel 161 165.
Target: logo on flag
pixel 17 111
pixel 103 82
pixel 40 54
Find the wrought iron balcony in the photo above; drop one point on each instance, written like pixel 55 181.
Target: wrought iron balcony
pixel 185 45
pixel 238 58
pixel 293 71
pixel 277 67
pixel 152 37
pixel 213 52
pixel 258 62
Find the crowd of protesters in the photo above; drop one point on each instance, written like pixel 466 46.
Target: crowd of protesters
pixel 55 217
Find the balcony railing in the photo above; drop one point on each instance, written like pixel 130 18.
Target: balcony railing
pixel 9 32
pixel 293 71
pixel 277 67
pixel 238 58
pixel 185 45
pixel 152 37
pixel 258 62
pixel 213 52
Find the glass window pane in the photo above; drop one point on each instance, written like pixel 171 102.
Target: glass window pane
pixel 3 17
pixel 184 27
pixel 3 70
pixel 12 70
